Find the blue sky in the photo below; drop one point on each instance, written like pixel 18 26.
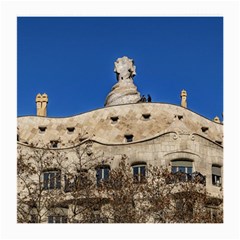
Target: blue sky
pixel 72 60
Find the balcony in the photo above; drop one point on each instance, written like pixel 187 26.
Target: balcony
pixel 177 177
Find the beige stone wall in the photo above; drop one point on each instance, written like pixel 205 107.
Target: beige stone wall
pixel 171 132
pixel 98 124
pixel 167 147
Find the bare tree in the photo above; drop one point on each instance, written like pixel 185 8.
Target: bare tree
pixel 38 170
pixel 76 186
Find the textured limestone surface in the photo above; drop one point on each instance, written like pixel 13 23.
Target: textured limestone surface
pixel 109 125
pixel 160 134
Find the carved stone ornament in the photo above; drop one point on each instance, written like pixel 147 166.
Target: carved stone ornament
pixel 124 68
pixel 175 136
pixel 124 91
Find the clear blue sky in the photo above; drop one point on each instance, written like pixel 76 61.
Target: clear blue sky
pixel 72 60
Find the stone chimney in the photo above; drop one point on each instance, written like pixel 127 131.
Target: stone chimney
pixel 41 104
pixel 184 98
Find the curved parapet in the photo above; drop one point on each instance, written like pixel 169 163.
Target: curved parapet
pixel 119 124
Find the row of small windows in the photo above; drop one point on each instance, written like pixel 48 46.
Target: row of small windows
pixel 55 143
pixel 145 116
pixel 52 179
pixel 114 119
pixel 43 129
pixel 51 219
pixel 183 211
pixel 57 219
pixel 128 138
pixel 63 218
pixel 186 167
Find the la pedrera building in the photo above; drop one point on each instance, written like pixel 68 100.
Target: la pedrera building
pixel 133 160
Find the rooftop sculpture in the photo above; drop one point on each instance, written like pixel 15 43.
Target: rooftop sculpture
pixel 124 91
pixel 125 69
pixel 41 104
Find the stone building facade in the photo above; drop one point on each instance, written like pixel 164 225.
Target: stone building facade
pixel 159 134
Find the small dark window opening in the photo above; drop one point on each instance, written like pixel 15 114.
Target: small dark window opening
pixel 42 129
pixel 81 139
pixel 146 116
pixel 204 129
pixel 54 144
pixel 102 174
pixel 129 137
pixel 17 137
pixel 218 142
pixel 114 119
pixel 180 117
pixel 70 129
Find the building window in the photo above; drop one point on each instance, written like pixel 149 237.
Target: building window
pixel 218 142
pixel 129 137
pixel 102 173
pixel 52 180
pixel 183 168
pixel 180 117
pixel 139 172
pixel 42 129
pixel 214 214
pixel 216 175
pixel 17 137
pixel 70 129
pixel 204 129
pixel 146 116
pixel 57 219
pixel 54 143
pixel 114 119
